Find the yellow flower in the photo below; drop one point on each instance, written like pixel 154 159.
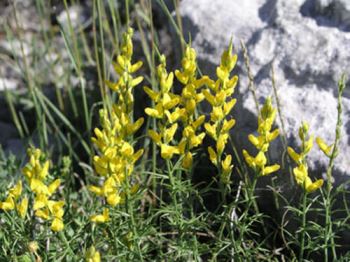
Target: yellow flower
pixel 295 156
pixel 326 149
pixel 168 151
pixel 270 169
pixel 300 173
pixel 212 155
pixel 187 161
pixel 226 164
pixel 9 204
pixel 169 133
pixel 303 179
pixel 16 191
pixel 57 225
pixel 313 186
pixel 22 207
pixel 102 218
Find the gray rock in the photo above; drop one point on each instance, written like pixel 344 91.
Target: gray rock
pixel 329 12
pixel 308 57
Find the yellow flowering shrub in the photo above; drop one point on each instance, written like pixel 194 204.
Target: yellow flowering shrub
pixel 116 159
pixel 218 128
pixel 36 172
pixel 191 96
pixel 165 111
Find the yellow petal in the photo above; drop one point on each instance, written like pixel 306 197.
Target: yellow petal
pixel 220 143
pixel 9 204
pixel 270 169
pixel 199 121
pixel 217 114
pixel 170 132
pixel 135 67
pixel 260 159
pixel 96 190
pixel 228 125
pixel 137 155
pixel 53 186
pixel 229 105
pixel 327 150
pixel 44 171
pixel 167 151
pixel 209 97
pixel 273 135
pixel 295 156
pixel 187 161
pixel 308 145
pixel 196 140
pixel 211 130
pixel 212 156
pixel 152 94
pixel 42 213
pixel 38 187
pixel 104 217
pixel 154 136
pixel 153 112
pixel 226 164
pixel 300 174
pixel 22 207
pixel 136 81
pixel 16 191
pixel 132 128
pixel 254 140
pixel 248 158
pixel 113 199
pixel 314 186
pixel 40 201
pixel 57 225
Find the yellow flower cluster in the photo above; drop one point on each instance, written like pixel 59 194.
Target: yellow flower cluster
pixel 12 203
pixel 165 111
pixel 219 96
pixel 301 171
pixel 190 98
pixel 114 140
pixel 262 141
pixel 36 173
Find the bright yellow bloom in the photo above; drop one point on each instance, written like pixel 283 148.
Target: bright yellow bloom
pixel 8 204
pixel 167 151
pixel 12 201
pixel 326 149
pixel 102 218
pixel 303 179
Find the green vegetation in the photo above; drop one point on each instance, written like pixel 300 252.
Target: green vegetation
pixel 106 180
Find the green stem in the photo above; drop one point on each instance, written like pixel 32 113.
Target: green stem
pixel 302 237
pixel 129 208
